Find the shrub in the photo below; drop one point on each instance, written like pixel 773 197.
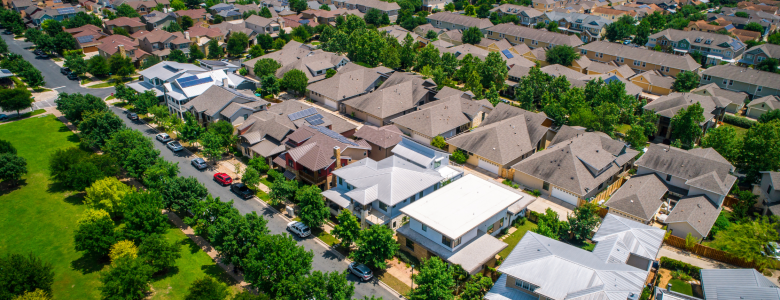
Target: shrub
pixel 459 156
pixel 739 121
pixel 690 241
pixel 407 258
pixel 673 264
pixel 536 193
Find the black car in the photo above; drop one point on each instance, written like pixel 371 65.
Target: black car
pixel 73 76
pixel 64 71
pixel 42 56
pixel 8 32
pixel 241 190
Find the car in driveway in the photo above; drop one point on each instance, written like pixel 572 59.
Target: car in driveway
pixel 73 76
pixel 3 117
pixel 163 137
pixel 132 116
pixel 361 271
pixel 223 179
pixel 241 190
pixel 199 163
pixel 175 146
pixel 299 229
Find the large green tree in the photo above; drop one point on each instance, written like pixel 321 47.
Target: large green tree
pixel 182 194
pixel 274 261
pixel 266 66
pixel 686 125
pixel 493 71
pixel 15 99
pixel 434 281
pixel 723 139
pixel 348 228
pixel 24 273
pixel 108 194
pixel 73 106
pixel 98 126
pixel 295 80
pixel 622 29
pixel 476 287
pixel 127 278
pixel 95 233
pixel 686 81
pixel 313 209
pixel 760 149
pixel 207 288
pixel 472 35
pixel 121 65
pixel 375 246
pixel 98 66
pixel 585 219
pixel 562 55
pixel 747 240
pixel 237 43
pixel 142 215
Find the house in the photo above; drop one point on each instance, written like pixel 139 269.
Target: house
pixel 533 38
pixel 549 5
pixel 389 8
pixel 399 33
pixel 179 91
pixel 113 44
pixel 314 152
pixel 543 268
pixel 611 13
pixel 715 47
pixel 755 55
pixel 142 7
pixel 400 94
pixel 507 136
pixel 758 7
pixel 197 15
pixel 692 215
pixel 721 284
pixel 668 106
pixel 768 191
pixel 218 65
pixel 639 199
pixel 423 29
pixel 262 25
pixel 723 25
pixel 430 5
pixel 641 10
pixel 201 36
pixel 589 27
pixel 219 102
pixel 275 5
pixel 454 36
pixel 131 25
pixel 762 105
pixel 527 15
pixel 596 68
pixel 576 166
pixel 668 5
pixel 295 55
pixel 450 21
pixel 158 19
pixel 768 21
pixel 654 82
pixel 508 53
pixel 351 81
pixel 382 140
pixel 458 222
pixel 160 43
pixel 639 59
pixel 754 82
pixel 376 191
pixel 737 99
pixel 57 14
pixel 87 37
pixel 21 5
pixel 444 117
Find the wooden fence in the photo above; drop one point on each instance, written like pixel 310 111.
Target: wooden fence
pixel 711 253
pixel 604 195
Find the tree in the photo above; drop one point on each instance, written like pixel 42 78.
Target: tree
pixel 266 66
pixel 251 177
pixel 760 149
pixel 622 29
pixel 123 31
pixel 725 141
pixel 7 147
pixel 125 10
pixel 686 81
pixel 325 7
pixel 295 80
pixel 95 233
pixel 182 194
pixel 12 168
pixel 186 22
pixel 476 287
pixel 774 38
pixel 747 240
pixel 107 195
pixel 439 142
pixel 128 278
pixel 207 288
pixel 298 5
pixel 493 71
pixel 328 286
pixel 178 5
pixel 373 16
pixel 144 101
pixel 768 65
pixel 35 295
pixel 348 228
pixel 121 65
pixel 264 40
pixel 73 106
pixel 550 226
pixel 98 66
pixel 214 49
pixel 434 281
pixel 492 95
pixel 24 273
pixel 753 26
pixel 237 43
pixel 142 215
pixel 585 219
pixel 313 209
pixel 472 35
pixel 32 77
pixel 173 27
pixel 643 32
pixel 685 124
pixel 64 41
pixel 375 246
pixel 562 55
pixel 274 260
pixel 282 190
pixel 76 64
pixel 15 99
pixel 256 51
pixel 177 56
pixel 158 253
pixel 98 126
pixel 122 249
pixel 190 130
pixel 213 145
pixel 195 53
pixel 769 116
pixel 746 201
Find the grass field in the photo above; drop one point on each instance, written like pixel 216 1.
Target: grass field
pixel 681 287
pixel 515 238
pixel 40 217
pixel 740 131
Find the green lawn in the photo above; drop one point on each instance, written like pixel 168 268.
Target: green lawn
pixel 740 131
pixel 681 287
pixel 101 85
pixel 515 237
pixel 623 128
pixel 324 236
pixel 40 217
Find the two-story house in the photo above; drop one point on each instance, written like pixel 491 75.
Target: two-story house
pixel 262 25
pixel 430 5
pixel 533 38
pixel 400 94
pixel 699 178
pixel 715 47
pixel 550 5
pixel 160 43
pixel 589 27
pixel 768 191
pixel 612 14
pixel 756 55
pixel 21 5
pixel 201 36
pixel 156 77
pixel 197 15
pixel 389 8
pixel 453 21
pixel 741 79
pixel 57 14
pixel 87 37
pixel 123 45
pixel 295 55
pixel 527 15
pixel 382 140
pixel 760 106
pixel 458 222
pixel 667 106
pixel 722 25
pixel 768 21
pixel 158 19
pixel 221 103
pixel 737 99
pixel 452 113
pixel 351 81
pixel 639 59
pixel 131 25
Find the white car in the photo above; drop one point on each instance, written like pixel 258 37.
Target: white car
pixel 163 137
pixel 175 146
pixel 299 229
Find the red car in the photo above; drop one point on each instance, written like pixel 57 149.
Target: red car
pixel 223 179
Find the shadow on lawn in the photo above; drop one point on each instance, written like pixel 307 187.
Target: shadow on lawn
pixel 75 199
pixel 87 264
pixel 165 274
pixel 218 273
pixel 6 187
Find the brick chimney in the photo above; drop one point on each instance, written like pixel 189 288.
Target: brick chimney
pixel 337 154
pixel 121 50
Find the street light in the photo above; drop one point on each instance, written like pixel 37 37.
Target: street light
pixel 413 277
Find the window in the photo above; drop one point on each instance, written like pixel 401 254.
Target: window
pixel 409 244
pixel 546 186
pixel 437 164
pixel 490 229
pixel 769 189
pixel 725 81
pixel 669 177
pixel 707 77
pixel 637 63
pixel 748 56
pixel 663 43
pixel 436 186
pixel 446 241
pixel 760 88
pixel 341 181
pixel 583 52
pixel 525 285
pixel 501 223
pixel 424 228
pixel 760 58
pixel 731 82
pixel 620 59
pixel 420 195
pixel 382 206
pixel 534 42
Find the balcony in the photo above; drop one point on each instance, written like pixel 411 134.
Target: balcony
pixel 374 217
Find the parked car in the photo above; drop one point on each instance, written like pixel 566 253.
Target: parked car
pixel 299 229
pixel 241 190
pixel 3 117
pixel 199 163
pixel 163 137
pixel 223 179
pixel 361 271
pixel 73 76
pixel 626 42
pixel 8 32
pixel 64 71
pixel 132 116
pixel 42 56
pixel 175 146
pixel 38 51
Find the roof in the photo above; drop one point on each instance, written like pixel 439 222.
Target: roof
pixel 295 55
pixel 392 179
pixel 536 34
pixel 436 117
pixel 111 43
pixel 670 104
pixel 156 16
pixel 459 207
pixel 633 237
pixel 655 78
pixel 714 90
pixel 385 137
pixel 192 13
pixel 317 151
pixel 224 100
pixel 471 255
pixel 125 21
pixel 771 50
pixel 350 81
pixel 380 5
pixel 577 161
pixel 276 124
pixel 773 102
pixel 745 75
pixel 728 284
pixel 518 10
pixel 563 271
pixel 698 211
pixel 702 168
pixel 640 196
pixel 259 21
pixel 459 19
pixel 168 69
pixel 401 92
pixel 502 291
pixel 398 32
pixel 701 39
pixel 685 62
pixel 423 155
pixel 585 20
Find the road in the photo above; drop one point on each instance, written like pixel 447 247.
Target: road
pixel 324 260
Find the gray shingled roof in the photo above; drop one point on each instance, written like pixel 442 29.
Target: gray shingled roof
pixel 771 50
pixel 685 62
pixel 385 136
pixel 640 196
pixel 217 99
pixel 714 90
pixel 536 34
pixel 745 75
pixel 703 168
pixel 276 124
pixel 436 117
pixel 401 92
pixel 669 105
pixel 459 19
pixel 317 152
pixel 350 81
pixel 771 102
pixel 727 284
pixel 697 211
pixel 700 38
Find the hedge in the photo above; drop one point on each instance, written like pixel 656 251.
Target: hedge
pixel 739 121
pixel 676 265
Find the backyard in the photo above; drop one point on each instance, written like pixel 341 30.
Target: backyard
pixel 40 217
pixel 515 237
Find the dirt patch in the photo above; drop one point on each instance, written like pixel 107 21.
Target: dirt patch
pixel 399 270
pixel 664 276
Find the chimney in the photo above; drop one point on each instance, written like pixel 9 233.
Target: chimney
pixel 187 35
pixel 337 154
pixel 121 50
pixel 224 82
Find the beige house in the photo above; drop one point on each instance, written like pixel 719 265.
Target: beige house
pixel 654 83
pixel 399 95
pixel 450 21
pixel 639 59
pixel 533 38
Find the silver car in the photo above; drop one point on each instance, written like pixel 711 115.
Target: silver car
pixel 175 146
pixel 163 137
pixel 199 163
pixel 299 229
pixel 361 271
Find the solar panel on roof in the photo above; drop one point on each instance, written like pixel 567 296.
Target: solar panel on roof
pixel 314 117
pixel 316 122
pixel 334 135
pixel 302 114
pixel 507 53
pixel 6 71
pixel 185 79
pixel 195 82
pixel 66 10
pixel 85 39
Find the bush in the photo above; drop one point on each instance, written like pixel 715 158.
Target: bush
pixel 407 258
pixel 536 193
pixel 739 121
pixel 681 275
pixel 686 268
pixel 459 156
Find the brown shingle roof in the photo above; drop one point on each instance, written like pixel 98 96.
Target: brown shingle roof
pixel 685 62
pixel 459 19
pixel 386 136
pixel 125 21
pixel 536 34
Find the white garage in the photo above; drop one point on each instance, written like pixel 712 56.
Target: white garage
pixel 565 196
pixel 488 166
pixel 331 104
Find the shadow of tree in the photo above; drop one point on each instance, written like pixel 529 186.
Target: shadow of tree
pixel 7 188
pixel 87 264
pixel 76 199
pixel 166 274
pixel 194 248
pixel 217 272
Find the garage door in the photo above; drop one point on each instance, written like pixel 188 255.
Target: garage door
pixel 373 121
pixel 332 104
pixel 488 166
pixel 568 198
